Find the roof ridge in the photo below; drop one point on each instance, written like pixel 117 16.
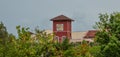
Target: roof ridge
pixel 61 17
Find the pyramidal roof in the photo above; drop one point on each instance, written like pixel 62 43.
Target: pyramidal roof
pixel 61 18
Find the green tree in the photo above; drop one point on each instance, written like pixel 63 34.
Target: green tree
pixel 3 39
pixel 3 33
pixel 41 44
pixel 108 36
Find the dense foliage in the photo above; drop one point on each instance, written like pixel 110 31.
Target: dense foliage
pixel 41 44
pixel 108 36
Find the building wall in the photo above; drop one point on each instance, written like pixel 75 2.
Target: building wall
pixel 66 29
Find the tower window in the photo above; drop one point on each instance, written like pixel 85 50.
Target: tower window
pixel 63 38
pixel 56 38
pixel 59 27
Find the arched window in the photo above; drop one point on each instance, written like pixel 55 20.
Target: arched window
pixel 56 38
pixel 63 38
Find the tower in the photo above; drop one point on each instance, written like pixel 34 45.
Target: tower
pixel 62 27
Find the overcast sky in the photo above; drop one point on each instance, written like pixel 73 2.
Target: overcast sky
pixel 33 13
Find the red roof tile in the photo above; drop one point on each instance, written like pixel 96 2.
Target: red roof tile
pixel 61 18
pixel 90 34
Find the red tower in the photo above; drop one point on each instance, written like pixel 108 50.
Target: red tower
pixel 62 27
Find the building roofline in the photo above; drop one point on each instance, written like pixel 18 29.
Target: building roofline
pixel 61 18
